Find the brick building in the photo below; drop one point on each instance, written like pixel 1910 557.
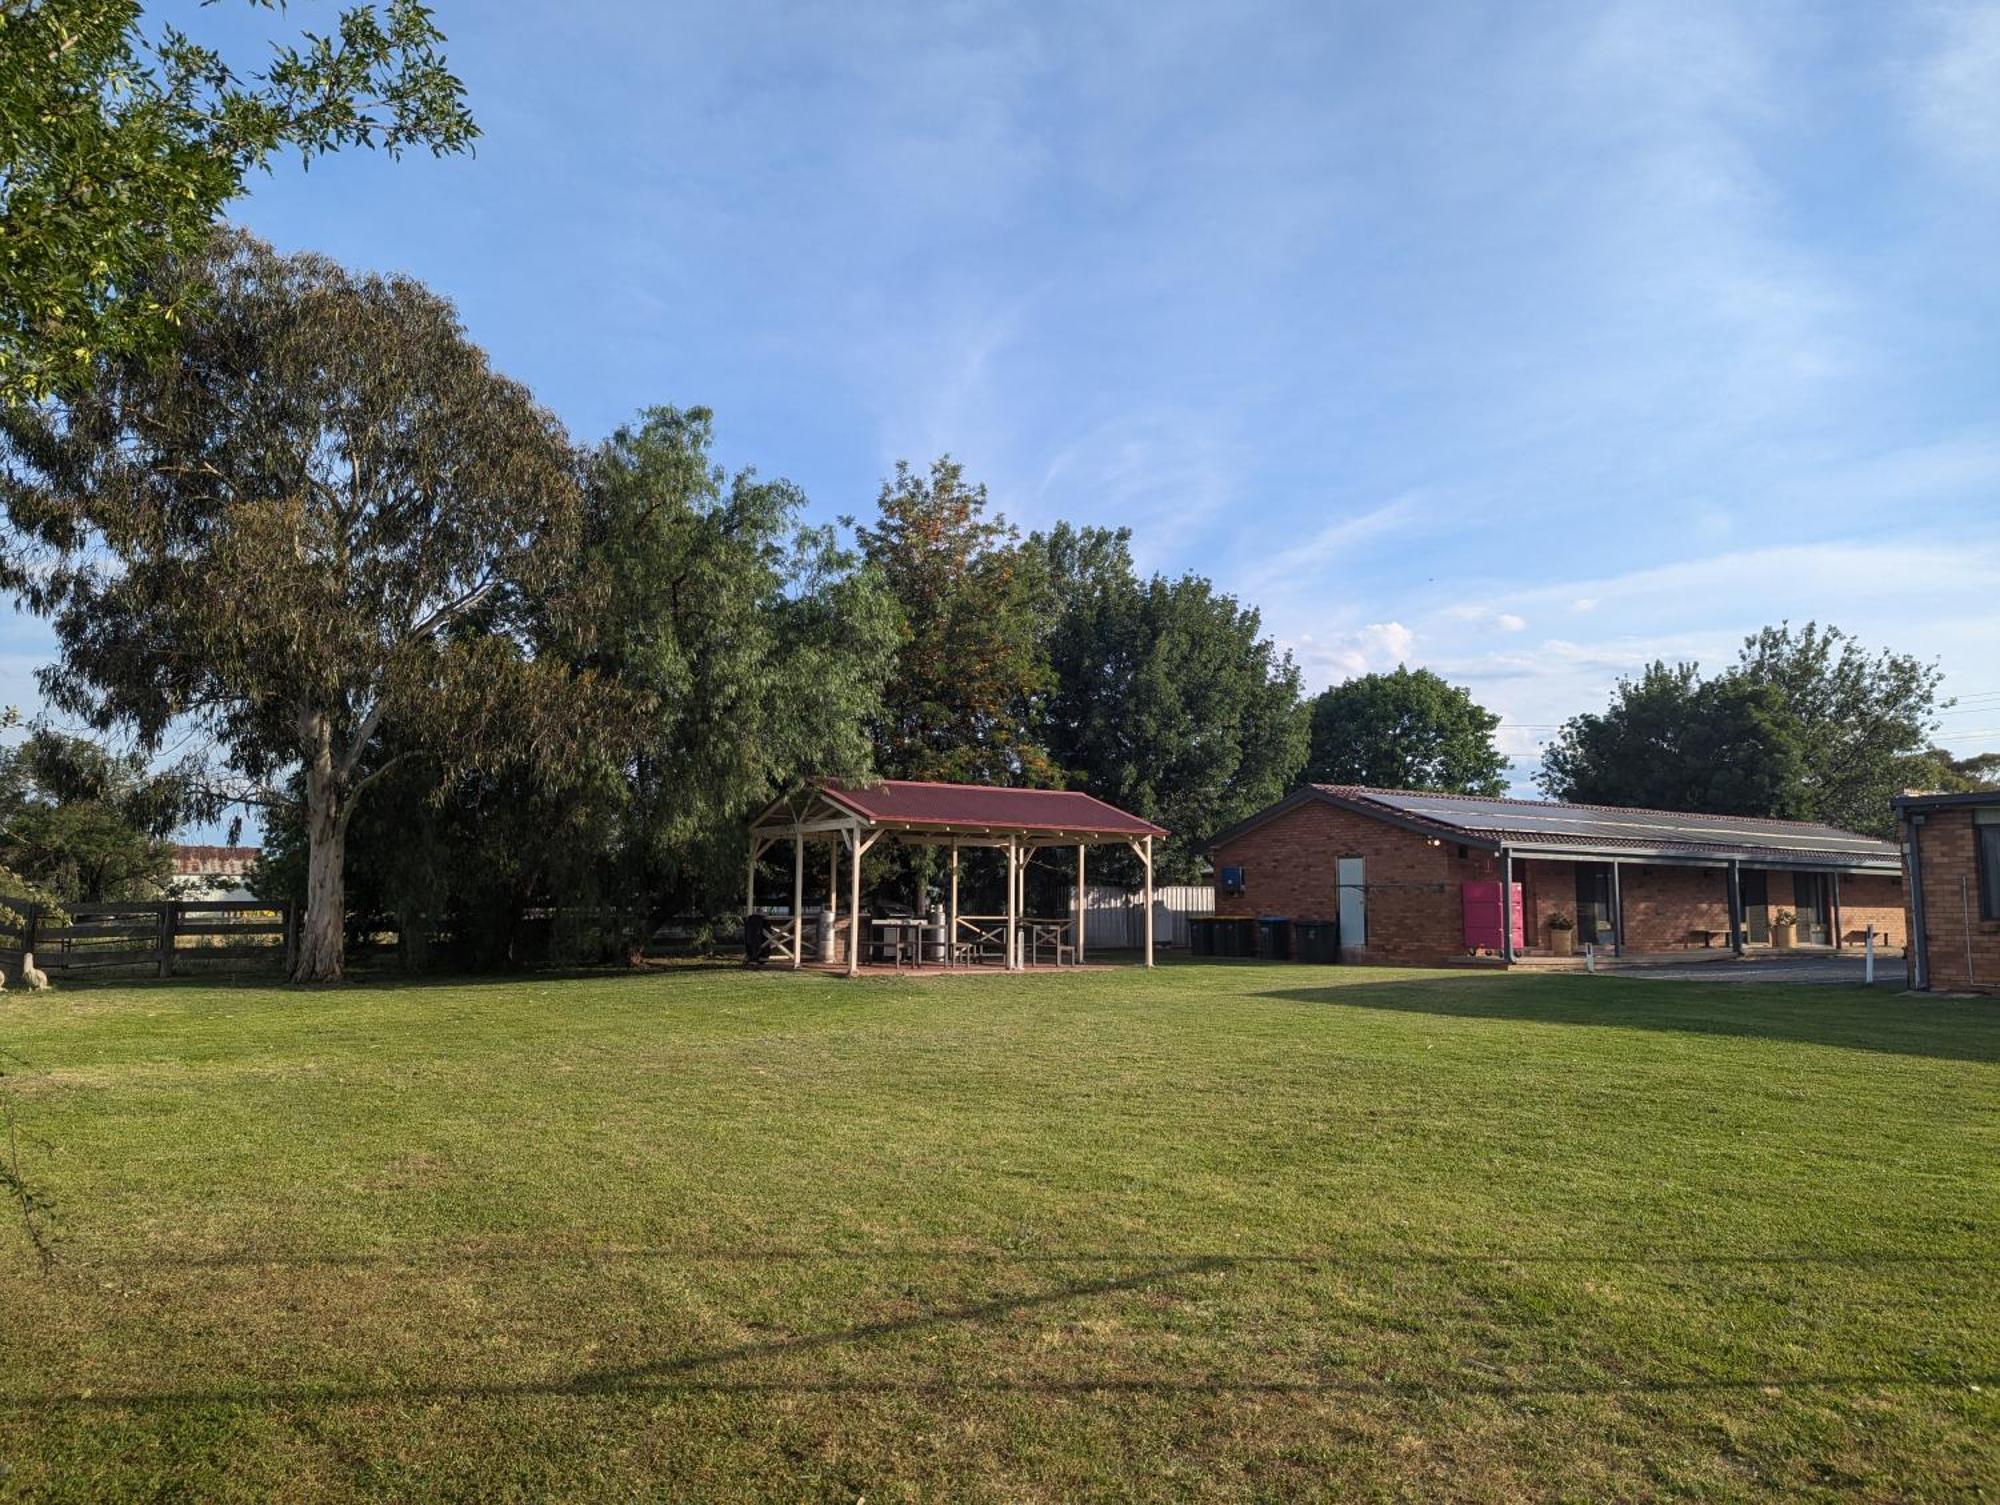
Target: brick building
pixel 1418 878
pixel 1951 858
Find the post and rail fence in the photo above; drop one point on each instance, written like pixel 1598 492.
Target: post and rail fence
pixel 163 937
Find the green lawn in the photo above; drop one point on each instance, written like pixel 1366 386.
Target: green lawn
pixel 1215 1232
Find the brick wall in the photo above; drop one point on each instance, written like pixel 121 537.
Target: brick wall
pixel 1951 889
pixel 1290 868
pixel 1872 899
pixel 1416 913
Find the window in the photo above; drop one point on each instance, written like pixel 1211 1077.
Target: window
pixel 1986 844
pixel 1352 882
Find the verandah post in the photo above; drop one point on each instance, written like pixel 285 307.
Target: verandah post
pixel 1617 912
pixel 1735 906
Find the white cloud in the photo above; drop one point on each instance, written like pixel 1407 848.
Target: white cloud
pixel 1956 91
pixel 1286 569
pixel 1467 611
pixel 1353 652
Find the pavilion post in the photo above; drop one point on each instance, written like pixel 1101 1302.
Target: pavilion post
pixel 1080 902
pixel 1013 904
pixel 830 921
pixel 1147 858
pixel 798 898
pixel 854 936
pixel 750 876
pixel 951 916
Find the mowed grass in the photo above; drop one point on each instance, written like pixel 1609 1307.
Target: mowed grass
pixel 1216 1232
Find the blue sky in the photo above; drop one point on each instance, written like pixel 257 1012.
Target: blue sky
pixel 1523 341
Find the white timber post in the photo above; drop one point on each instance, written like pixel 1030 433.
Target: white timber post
pixel 951 919
pixel 1080 849
pixel 854 936
pixel 798 898
pixel 1013 904
pixel 1147 858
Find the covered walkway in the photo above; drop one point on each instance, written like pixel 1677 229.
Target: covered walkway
pixel 850 819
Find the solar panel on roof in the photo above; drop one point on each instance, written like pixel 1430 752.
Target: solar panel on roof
pixel 1531 820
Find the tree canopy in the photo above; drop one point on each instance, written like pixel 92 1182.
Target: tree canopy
pixel 118 149
pixel 319 525
pixel 87 824
pixel 1165 697
pixel 1806 724
pixel 1860 721
pixel 961 697
pixel 762 646
pixel 1405 730
pixel 1671 740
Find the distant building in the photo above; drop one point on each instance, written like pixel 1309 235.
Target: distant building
pixel 202 872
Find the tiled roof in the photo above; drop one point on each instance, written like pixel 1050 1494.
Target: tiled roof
pixel 909 802
pixel 1550 826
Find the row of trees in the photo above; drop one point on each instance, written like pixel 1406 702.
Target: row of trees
pixel 448 652
pixel 467 668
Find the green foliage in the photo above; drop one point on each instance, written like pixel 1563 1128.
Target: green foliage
pixel 1166 699
pixel 1940 771
pixel 326 521
pixel 117 149
pixel 1858 719
pixel 761 645
pixel 1405 730
pixel 1671 740
pixel 85 824
pixel 1806 724
pixel 960 702
pixel 752 650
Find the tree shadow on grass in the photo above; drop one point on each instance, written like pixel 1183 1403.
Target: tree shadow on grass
pixel 710 1371
pixel 1846 1018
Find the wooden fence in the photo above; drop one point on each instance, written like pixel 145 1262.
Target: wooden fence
pixel 162 938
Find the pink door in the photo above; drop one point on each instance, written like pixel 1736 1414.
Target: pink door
pixel 1482 916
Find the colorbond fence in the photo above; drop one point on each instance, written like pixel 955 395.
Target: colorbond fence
pixel 1115 918
pixel 163 938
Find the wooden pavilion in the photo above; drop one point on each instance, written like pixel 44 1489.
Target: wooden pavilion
pixel 852 818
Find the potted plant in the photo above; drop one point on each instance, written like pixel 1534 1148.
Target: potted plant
pixel 1784 930
pixel 1562 935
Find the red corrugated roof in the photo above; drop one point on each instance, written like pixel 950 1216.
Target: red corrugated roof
pixel 911 802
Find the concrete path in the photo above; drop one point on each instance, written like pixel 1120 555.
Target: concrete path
pixel 1890 971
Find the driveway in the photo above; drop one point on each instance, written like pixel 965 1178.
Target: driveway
pixel 1890 971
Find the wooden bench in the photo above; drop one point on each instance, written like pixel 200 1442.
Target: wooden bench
pixel 1708 938
pixel 1860 938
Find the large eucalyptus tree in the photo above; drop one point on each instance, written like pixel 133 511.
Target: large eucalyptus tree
pixel 314 525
